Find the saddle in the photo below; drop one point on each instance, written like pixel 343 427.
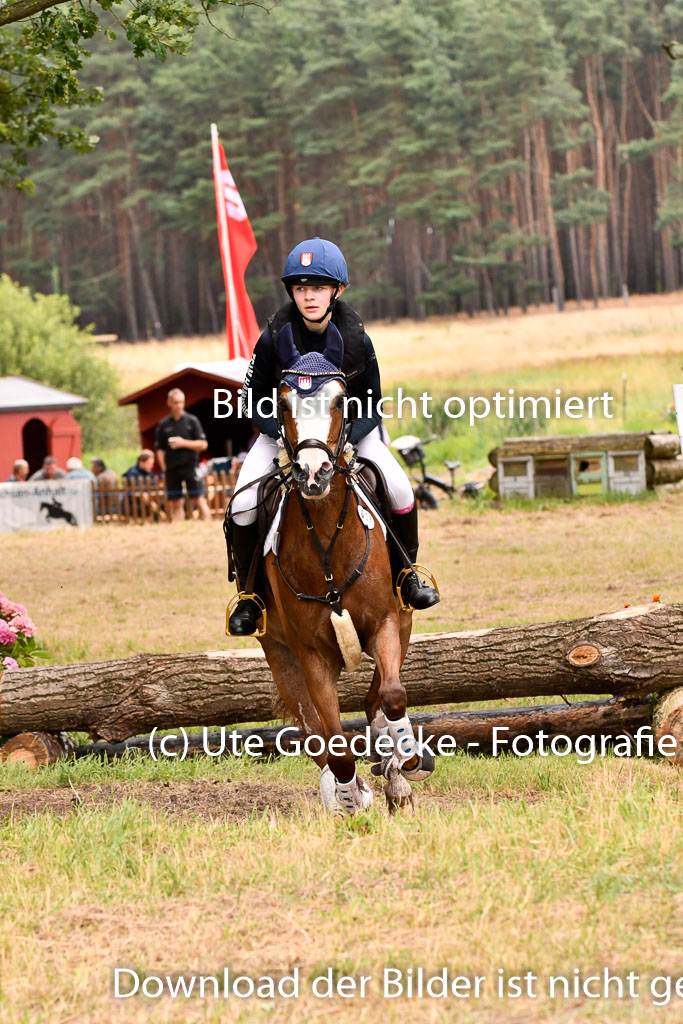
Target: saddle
pixel 369 478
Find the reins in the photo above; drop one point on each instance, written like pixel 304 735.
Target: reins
pixel 333 594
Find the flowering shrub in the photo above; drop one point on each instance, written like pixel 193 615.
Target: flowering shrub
pixel 18 647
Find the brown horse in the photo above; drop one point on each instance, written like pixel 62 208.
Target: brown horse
pixel 329 586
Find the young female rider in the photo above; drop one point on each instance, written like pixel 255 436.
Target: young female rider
pixel 315 276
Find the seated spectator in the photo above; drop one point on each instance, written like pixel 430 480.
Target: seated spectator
pixel 106 480
pixel 141 475
pixel 75 470
pixel 19 472
pixel 50 470
pixel 142 470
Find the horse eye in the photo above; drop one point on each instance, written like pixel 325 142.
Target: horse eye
pixel 338 403
pixel 283 405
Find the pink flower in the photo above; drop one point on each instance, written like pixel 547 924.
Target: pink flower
pixel 14 608
pixel 10 662
pixel 22 624
pixel 7 637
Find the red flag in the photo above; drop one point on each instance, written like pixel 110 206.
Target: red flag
pixel 238 245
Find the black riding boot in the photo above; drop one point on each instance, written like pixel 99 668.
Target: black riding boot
pixel 244 618
pixel 414 593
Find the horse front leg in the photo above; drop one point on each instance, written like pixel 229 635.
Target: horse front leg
pixel 351 793
pixel 386 710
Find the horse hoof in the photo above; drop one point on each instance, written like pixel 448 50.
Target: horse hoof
pixel 398 793
pixel 422 770
pixel 402 805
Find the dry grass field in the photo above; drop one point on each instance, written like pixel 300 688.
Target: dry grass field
pixel 540 865
pixel 113 591
pixel 450 348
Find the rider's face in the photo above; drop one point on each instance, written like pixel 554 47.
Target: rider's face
pixel 50 470
pixel 313 299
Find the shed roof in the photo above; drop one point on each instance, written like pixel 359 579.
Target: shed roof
pixel 21 394
pixel 232 370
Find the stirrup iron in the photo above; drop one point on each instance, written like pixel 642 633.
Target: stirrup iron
pixel 429 577
pixel 232 604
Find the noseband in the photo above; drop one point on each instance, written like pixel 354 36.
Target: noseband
pixel 312 442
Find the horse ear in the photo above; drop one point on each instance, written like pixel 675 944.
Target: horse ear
pixel 286 349
pixel 334 346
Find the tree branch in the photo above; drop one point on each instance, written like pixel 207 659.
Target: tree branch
pixel 22 9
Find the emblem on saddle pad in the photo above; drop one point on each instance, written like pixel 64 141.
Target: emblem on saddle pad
pixel 306 259
pixel 366 518
pixel 305 383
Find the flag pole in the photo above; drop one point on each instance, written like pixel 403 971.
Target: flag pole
pixel 226 254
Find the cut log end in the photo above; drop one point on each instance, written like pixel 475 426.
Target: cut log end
pixel 583 655
pixel 667 720
pixel 35 749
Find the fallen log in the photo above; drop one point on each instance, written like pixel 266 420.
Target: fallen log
pixel 667 720
pixel 631 652
pixel 36 749
pixel 663 471
pixel 563 444
pixel 662 446
pixel 473 731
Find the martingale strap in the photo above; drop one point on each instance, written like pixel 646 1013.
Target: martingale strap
pixel 333 594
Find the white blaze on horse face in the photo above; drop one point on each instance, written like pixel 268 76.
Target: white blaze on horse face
pixel 313 419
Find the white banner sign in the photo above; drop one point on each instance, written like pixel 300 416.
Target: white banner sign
pixel 45 504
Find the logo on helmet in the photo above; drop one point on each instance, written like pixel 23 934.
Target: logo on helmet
pixel 306 259
pixel 305 383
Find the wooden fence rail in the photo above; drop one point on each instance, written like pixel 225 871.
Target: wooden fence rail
pixel 135 501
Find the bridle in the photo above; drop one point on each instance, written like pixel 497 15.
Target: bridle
pixel 312 442
pixel 333 594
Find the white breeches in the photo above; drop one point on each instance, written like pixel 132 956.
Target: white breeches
pixel 259 461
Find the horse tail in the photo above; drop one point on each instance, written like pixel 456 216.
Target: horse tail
pixel 347 638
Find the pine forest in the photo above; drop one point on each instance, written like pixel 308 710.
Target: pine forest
pixel 465 155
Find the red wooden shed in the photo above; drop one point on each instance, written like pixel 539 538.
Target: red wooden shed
pixel 36 420
pixel 198 381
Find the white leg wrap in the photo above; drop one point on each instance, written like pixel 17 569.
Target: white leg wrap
pixel 327 789
pixel 405 745
pixel 378 726
pixel 351 796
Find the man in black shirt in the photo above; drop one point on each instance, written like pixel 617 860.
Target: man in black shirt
pixel 179 440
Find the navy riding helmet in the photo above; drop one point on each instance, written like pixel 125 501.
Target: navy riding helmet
pixel 316 259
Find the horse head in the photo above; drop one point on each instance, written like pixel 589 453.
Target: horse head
pixel 311 410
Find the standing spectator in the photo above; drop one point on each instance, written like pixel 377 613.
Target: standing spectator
pixel 50 470
pixel 75 470
pixel 179 440
pixel 19 472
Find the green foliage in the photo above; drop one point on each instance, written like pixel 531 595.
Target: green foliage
pixel 428 160
pixel 39 339
pixel 43 52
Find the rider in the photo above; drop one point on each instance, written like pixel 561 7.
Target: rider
pixel 315 276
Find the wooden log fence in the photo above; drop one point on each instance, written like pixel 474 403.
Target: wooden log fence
pixel 629 653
